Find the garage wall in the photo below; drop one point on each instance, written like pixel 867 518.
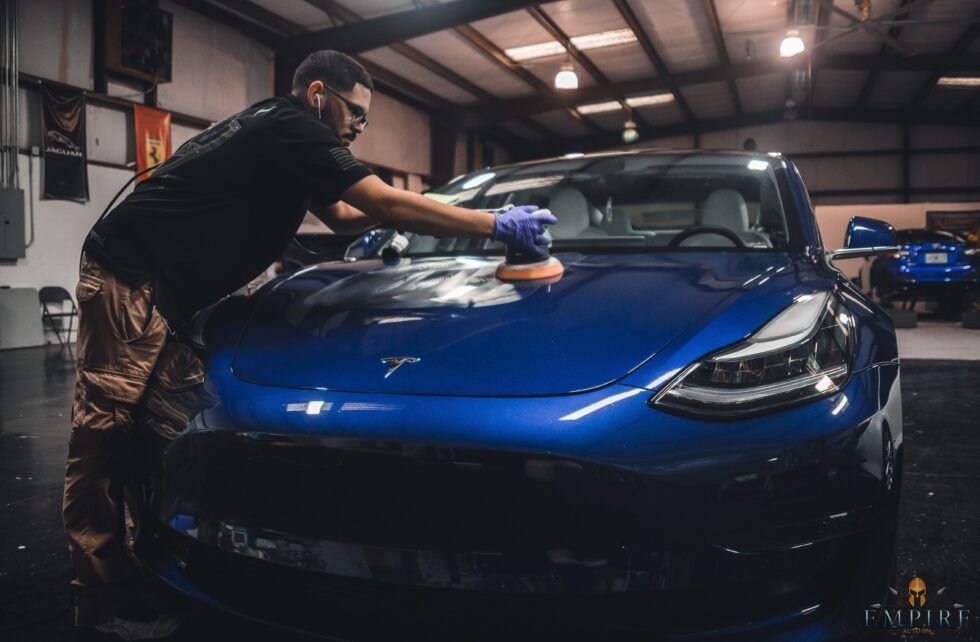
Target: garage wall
pixel 833 220
pixel 56 43
pixel 216 72
pixel 810 145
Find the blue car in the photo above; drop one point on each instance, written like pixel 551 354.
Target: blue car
pixel 695 433
pixel 931 264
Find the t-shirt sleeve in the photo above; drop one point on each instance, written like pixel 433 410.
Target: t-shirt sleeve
pixel 318 160
pixel 331 170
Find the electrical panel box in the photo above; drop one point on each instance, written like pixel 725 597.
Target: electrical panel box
pixel 11 223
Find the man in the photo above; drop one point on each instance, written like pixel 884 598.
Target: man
pixel 205 223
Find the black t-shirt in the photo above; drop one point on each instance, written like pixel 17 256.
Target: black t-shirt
pixel 224 206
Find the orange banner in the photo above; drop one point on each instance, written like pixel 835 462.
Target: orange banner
pixel 152 137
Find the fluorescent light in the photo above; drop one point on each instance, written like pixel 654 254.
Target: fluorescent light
pixel 758 165
pixel 653 99
pixel 538 50
pixel 959 81
pixel 791 45
pixel 582 43
pixel 603 39
pixel 566 78
pixel 573 155
pixel 596 108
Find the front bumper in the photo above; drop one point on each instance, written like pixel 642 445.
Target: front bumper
pixel 754 530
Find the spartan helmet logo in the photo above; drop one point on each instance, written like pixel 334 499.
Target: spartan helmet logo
pixel 917 592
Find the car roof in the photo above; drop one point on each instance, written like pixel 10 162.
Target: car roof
pixel 646 151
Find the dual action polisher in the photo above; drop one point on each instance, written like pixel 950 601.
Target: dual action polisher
pixel 520 265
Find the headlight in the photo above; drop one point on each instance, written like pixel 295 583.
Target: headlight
pixel 801 355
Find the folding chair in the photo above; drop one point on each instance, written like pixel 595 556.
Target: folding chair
pixel 54 294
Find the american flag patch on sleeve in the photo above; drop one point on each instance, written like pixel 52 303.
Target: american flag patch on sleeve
pixel 344 158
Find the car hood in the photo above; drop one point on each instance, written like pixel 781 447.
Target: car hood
pixel 465 332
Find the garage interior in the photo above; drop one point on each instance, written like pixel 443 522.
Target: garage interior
pixel 880 111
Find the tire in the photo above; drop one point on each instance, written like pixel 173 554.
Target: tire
pixel 904 318
pixel 971 319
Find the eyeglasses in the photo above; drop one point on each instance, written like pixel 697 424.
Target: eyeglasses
pixel 358 115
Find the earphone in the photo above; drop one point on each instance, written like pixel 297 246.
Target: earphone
pixel 319 114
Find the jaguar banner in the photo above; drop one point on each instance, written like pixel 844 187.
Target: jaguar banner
pixel 152 138
pixel 64 169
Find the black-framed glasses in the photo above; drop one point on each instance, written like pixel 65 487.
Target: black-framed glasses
pixel 358 115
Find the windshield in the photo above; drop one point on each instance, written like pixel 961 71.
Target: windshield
pixel 667 201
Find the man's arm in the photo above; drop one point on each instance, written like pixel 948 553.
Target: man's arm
pixel 342 218
pixel 408 211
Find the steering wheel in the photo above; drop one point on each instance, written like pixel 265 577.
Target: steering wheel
pixel 707 229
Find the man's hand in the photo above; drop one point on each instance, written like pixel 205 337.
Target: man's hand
pixel 522 228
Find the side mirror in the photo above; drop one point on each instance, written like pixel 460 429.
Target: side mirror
pixel 866 237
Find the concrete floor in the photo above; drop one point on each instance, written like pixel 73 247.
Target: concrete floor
pixel 936 338
pixel 940 513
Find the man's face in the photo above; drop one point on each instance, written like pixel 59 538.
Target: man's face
pixel 343 114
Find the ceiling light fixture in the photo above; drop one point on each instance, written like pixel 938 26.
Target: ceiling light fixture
pixel 791 45
pixel 582 43
pixel 647 101
pixel 566 78
pixel 959 81
pixel 598 108
pixel 630 135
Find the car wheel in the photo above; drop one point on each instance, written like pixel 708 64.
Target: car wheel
pixel 971 319
pixel 904 318
pixel 950 307
pixel 879 567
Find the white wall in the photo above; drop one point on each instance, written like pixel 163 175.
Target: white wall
pixel 398 137
pixel 217 71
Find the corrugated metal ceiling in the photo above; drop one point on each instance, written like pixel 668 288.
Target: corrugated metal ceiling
pixel 681 33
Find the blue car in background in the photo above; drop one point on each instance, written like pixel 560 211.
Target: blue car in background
pixel 932 264
pixel 695 433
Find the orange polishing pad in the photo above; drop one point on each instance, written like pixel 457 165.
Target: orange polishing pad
pixel 550 268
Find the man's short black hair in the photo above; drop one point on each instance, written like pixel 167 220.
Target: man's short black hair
pixel 334 69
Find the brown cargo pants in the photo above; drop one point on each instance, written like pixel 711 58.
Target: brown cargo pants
pixel 135 392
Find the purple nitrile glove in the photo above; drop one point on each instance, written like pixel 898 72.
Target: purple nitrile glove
pixel 522 227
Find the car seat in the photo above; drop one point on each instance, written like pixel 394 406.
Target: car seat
pixel 726 208
pixel 576 218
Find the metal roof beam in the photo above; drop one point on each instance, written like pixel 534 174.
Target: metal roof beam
pixel 529 105
pixel 610 140
pixel 869 82
pixel 958 49
pixel 394 84
pixel 716 33
pixel 497 55
pixel 556 32
pixel 385 30
pixel 643 38
pixel 339 11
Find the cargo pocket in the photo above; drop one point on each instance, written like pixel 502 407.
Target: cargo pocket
pixel 88 286
pixel 135 312
pixel 176 392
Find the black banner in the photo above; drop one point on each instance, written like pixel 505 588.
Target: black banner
pixel 64 172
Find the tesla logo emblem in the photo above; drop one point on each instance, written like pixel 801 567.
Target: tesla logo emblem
pixel 394 363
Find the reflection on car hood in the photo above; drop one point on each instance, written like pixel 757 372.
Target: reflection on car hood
pixel 330 326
